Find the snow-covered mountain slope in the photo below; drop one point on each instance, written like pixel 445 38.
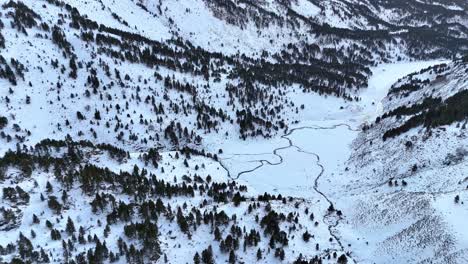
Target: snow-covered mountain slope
pixel 213 131
pixel 269 25
pixel 77 201
pixel 407 175
pixel 63 71
pixel 420 108
pixel 91 65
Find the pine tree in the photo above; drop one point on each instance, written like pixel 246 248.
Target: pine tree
pixel 237 199
pixel 35 219
pixel 259 254
pixel 217 234
pixel 70 227
pixel 182 221
pixel 54 204
pixel 25 248
pixel 80 116
pixel 73 68
pixel 342 259
pixel 207 255
pixel 49 188
pixel 196 258
pixel 97 115
pixel 232 257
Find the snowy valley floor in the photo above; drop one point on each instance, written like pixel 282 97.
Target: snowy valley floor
pixel 309 159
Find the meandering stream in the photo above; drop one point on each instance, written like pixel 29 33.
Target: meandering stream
pixel 326 144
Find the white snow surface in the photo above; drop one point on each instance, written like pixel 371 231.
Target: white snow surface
pixel 309 161
pixel 323 139
pixel 305 8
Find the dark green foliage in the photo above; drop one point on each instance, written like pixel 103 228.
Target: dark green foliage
pixel 73 68
pixel 6 72
pixel 342 259
pixel 11 194
pixel 80 116
pixel 414 109
pixel 237 199
pixel 259 254
pixel 147 232
pixel 153 156
pixel 23 16
pixel 252 239
pixel 182 222
pixel 70 228
pixel 270 222
pixel 55 234
pixel 439 113
pixel 207 256
pixel 58 37
pixel 196 258
pixel 3 122
pixel 54 204
pixel 232 257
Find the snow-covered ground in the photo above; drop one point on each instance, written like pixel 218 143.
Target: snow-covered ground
pixel 305 8
pixel 310 153
pixel 311 156
pixel 327 127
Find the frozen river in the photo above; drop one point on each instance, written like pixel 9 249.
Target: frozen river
pixel 289 163
pixel 308 160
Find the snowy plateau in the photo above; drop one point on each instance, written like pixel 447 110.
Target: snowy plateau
pixel 234 131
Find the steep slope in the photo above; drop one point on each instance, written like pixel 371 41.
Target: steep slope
pixel 413 28
pixel 407 175
pixel 139 131
pixel 130 90
pixel 125 87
